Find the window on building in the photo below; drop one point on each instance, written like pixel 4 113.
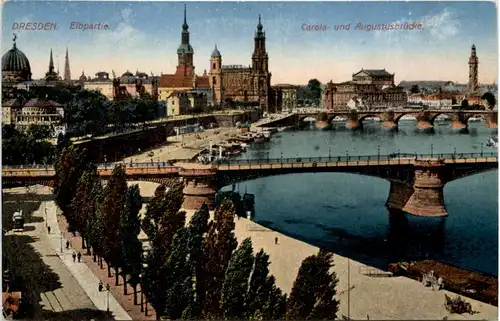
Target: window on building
pixel 214 66
pixel 214 81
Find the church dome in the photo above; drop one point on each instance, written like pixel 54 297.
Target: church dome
pixel 15 65
pixel 127 78
pixel 216 52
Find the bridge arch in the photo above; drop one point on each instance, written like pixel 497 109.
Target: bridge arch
pixel 364 117
pixel 401 115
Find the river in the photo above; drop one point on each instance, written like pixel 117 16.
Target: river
pixel 346 213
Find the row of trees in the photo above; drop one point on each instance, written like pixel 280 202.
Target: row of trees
pixel 192 271
pixel 26 148
pixel 89 112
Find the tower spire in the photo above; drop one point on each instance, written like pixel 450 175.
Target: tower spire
pixel 67 71
pixel 185 26
pixel 14 40
pixel 51 62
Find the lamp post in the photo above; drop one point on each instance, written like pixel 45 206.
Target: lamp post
pixel 46 223
pixel 378 152
pixel 281 158
pixel 481 149
pixel 142 293
pixel 347 155
pixel 329 153
pixel 432 150
pixel 61 243
pixel 107 297
pixel 144 299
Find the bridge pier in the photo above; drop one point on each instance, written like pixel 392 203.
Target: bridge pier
pixel 199 187
pixel 426 197
pixel 458 121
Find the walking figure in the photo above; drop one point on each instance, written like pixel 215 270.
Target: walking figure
pixel 74 256
pixel 79 256
pixel 67 244
pixel 101 285
pixel 276 240
pixel 48 229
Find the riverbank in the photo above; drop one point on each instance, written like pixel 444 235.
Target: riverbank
pixel 378 297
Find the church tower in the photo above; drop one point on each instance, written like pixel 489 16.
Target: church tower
pixel 51 75
pixel 185 52
pixel 261 75
pixel 216 75
pixel 473 70
pixel 67 72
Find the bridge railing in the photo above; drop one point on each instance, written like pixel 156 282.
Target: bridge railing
pixel 289 160
pixel 356 158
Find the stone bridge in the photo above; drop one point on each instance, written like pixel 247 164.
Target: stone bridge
pixel 390 118
pixel 417 181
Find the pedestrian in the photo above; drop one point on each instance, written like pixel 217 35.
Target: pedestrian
pixel 74 256
pixel 79 257
pixel 101 286
pixel 67 244
pixel 48 229
pixel 276 240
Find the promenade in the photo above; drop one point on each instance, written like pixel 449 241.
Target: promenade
pixel 378 297
pixel 184 147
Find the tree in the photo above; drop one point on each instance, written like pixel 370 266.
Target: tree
pixel 313 291
pixel 111 209
pixel 179 286
pixel 198 226
pixel 162 221
pixel 263 295
pixel 490 98
pixel 40 131
pixel 219 245
pixel 87 112
pixel 84 202
pixel 415 89
pixel 69 168
pixel 314 87
pixel 235 286
pixel 130 225
pixel 464 105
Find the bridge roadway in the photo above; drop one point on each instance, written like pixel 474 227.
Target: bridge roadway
pixel 417 181
pixel 390 118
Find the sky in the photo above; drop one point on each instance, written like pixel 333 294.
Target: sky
pixel 145 36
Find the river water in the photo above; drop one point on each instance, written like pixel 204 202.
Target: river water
pixel 346 213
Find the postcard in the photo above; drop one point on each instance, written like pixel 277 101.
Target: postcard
pixel 249 160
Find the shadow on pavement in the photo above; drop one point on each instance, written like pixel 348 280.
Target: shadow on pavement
pixel 78 314
pixel 28 273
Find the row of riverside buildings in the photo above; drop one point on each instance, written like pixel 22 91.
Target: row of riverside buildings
pixel 223 85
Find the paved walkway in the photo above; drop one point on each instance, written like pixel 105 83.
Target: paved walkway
pixel 70 296
pixel 85 277
pixel 125 301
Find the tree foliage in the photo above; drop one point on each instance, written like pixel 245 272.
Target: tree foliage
pixel 219 245
pixel 198 227
pixel 69 168
pixel 111 209
pixel 235 286
pixel 85 201
pixel 130 225
pixel 25 149
pixel 313 291
pixel 490 98
pixel 162 221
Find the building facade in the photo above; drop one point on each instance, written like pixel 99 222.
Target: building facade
pixel 37 111
pixel 184 78
pixel 127 84
pixel 284 96
pixel 374 88
pixel 238 83
pixel 177 103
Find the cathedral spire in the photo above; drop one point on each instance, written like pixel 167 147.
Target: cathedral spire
pixel 67 72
